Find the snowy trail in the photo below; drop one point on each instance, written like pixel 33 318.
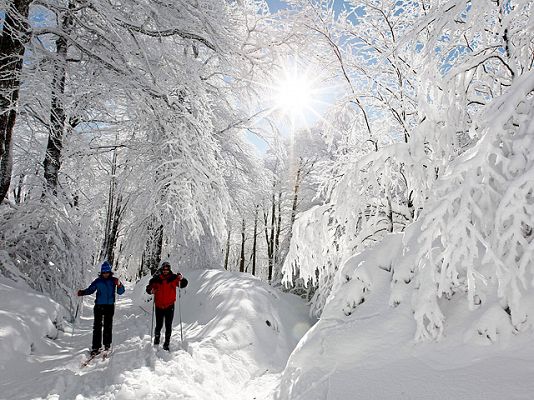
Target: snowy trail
pixel 232 353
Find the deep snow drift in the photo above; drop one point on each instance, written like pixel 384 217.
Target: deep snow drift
pixel 238 335
pixel 363 347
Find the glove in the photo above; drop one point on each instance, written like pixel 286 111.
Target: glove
pixel 183 283
pixel 80 292
pixel 149 289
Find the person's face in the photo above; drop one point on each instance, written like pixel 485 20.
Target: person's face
pixel 106 274
pixel 166 271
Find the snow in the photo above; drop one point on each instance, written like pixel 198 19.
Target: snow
pixel 26 318
pixel 239 333
pixel 229 349
pixel 367 349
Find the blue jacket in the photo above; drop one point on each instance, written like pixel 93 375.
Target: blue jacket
pixel 105 290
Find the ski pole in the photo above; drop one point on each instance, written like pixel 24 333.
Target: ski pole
pixel 180 315
pixel 152 321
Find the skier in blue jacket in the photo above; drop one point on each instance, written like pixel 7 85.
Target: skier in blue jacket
pixel 104 308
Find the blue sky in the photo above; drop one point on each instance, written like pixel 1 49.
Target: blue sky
pixel 275 5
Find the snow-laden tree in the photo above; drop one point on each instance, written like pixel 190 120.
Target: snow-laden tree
pixel 477 225
pixel 14 35
pixel 448 70
pixel 382 170
pixel 196 164
pixel 132 117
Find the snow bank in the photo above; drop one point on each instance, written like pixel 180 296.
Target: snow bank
pixel 238 314
pixel 27 318
pixel 364 347
pixel 238 334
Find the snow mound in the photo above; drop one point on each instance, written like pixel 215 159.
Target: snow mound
pixel 364 346
pixel 238 333
pixel 27 318
pixel 239 314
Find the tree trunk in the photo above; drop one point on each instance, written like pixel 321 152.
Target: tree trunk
pixel 254 242
pixel 226 257
pixel 52 161
pixel 117 217
pixel 278 230
pixel 296 189
pixel 271 239
pixel 294 205
pixel 106 253
pixel 267 240
pixel 154 245
pixel 242 257
pixel 14 35
pixel 18 191
pixel 390 215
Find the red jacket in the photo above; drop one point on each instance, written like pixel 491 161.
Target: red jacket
pixel 164 288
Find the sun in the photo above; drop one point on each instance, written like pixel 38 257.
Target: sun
pixel 293 94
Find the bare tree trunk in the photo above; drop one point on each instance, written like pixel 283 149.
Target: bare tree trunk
pixel 271 239
pixel 278 230
pixel 242 257
pixel 113 216
pixel 14 35
pixel 390 214
pixel 227 249
pixel 114 234
pixel 411 207
pixel 104 252
pixel 296 189
pixel 268 241
pixel 18 191
pixel 52 161
pixel 154 245
pixel 254 242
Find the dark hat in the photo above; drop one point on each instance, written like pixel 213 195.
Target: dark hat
pixel 106 267
pixel 165 264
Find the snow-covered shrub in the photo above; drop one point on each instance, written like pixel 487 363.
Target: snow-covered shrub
pixel 477 224
pixel 43 245
pixel 481 213
pixel 313 255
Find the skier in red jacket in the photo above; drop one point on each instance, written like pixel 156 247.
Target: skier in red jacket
pixel 163 286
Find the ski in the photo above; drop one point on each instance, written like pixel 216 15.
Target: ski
pixel 89 359
pixel 104 355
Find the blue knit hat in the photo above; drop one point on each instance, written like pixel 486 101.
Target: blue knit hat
pixel 106 267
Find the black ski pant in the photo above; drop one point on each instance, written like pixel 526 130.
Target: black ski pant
pixel 103 316
pixel 167 315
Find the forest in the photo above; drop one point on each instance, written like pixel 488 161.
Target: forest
pixel 271 138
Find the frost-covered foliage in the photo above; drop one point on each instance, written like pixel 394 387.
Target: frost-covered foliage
pixel 382 170
pixel 144 105
pixel 196 163
pixel 480 216
pixel 43 244
pixel 313 254
pixel 477 225
pixel 464 168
